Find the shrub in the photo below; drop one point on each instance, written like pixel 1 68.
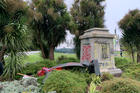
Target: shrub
pixel 64 59
pixel 84 74
pixel 92 88
pixel 28 85
pixel 121 61
pixel 40 80
pixel 65 82
pixel 121 85
pixel 95 82
pixel 13 66
pixel 33 68
pixel 106 76
pixel 131 71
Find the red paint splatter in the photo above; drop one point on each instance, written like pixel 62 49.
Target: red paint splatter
pixel 86 55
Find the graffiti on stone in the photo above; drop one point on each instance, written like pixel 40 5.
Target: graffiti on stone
pixel 86 54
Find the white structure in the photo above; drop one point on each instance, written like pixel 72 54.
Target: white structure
pixel 116 43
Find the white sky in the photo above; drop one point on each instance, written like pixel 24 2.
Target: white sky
pixel 115 10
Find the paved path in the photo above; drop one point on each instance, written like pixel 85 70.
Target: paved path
pixel 31 52
pixel 27 53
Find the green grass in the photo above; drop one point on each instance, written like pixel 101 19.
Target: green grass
pixel 37 57
pixel 57 55
pixel 33 58
pixel 131 71
pixel 126 56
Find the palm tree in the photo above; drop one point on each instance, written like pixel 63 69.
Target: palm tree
pixel 3 22
pixel 13 36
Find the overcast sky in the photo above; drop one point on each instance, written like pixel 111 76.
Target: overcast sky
pixel 115 10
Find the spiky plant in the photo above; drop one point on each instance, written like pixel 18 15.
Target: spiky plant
pixel 13 36
pixel 16 42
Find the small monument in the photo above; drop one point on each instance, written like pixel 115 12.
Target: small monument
pixel 97 44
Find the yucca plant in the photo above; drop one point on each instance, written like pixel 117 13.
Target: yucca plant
pixel 3 15
pixel 16 42
pixel 13 35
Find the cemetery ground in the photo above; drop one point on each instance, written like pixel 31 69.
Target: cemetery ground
pixel 37 57
pixel 76 80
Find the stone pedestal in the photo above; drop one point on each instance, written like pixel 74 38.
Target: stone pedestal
pixel 97 44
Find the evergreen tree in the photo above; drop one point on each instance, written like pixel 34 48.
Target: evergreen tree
pixel 130 26
pixel 86 14
pixel 52 27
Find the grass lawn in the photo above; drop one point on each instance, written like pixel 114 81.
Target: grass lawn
pixel 57 55
pixel 37 57
pixel 126 55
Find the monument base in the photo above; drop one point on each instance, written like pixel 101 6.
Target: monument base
pixel 114 71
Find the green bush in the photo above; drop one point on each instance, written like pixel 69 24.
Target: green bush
pixel 121 61
pixel 96 81
pixel 131 71
pixel 40 80
pixel 33 68
pixel 65 82
pixel 64 59
pixel 84 74
pixel 89 78
pixel 121 85
pixel 106 76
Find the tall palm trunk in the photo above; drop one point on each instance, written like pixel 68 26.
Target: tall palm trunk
pixel 51 53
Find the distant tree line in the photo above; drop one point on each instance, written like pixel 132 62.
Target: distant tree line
pixel 65 50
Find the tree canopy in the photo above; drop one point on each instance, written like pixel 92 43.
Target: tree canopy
pixel 130 26
pixel 86 14
pixel 54 23
pixel 14 33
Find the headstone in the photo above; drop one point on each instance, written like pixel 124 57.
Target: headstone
pixel 97 44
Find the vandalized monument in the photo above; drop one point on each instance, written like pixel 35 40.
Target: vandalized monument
pixel 97 44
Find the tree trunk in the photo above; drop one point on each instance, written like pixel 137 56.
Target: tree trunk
pixel 138 56
pixel 132 53
pixel 51 53
pixel 133 57
pixel 138 53
pixel 46 50
pixel 40 44
pixel 42 50
pixel 2 52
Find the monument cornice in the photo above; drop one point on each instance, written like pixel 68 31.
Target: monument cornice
pixel 97 33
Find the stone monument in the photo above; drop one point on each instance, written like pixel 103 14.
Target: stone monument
pixel 97 44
